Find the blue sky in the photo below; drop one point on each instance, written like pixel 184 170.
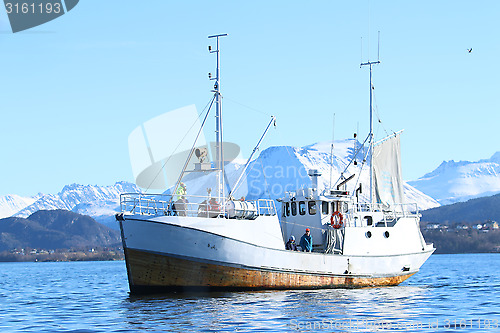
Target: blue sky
pixel 74 88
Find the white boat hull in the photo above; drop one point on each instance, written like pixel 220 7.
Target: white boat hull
pixel 177 253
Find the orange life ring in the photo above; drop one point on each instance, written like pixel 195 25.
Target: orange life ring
pixel 337 223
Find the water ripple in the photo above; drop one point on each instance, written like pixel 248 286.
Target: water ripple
pixel 93 297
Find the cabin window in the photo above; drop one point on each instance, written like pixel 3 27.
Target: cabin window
pixel 369 220
pixel 302 208
pixel 341 207
pixel 294 208
pixel 287 209
pixel 312 207
pixel 324 208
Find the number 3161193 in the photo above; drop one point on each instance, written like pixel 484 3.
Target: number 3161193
pixel 31 8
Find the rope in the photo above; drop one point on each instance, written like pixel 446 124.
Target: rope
pixel 352 160
pixel 378 117
pixel 360 171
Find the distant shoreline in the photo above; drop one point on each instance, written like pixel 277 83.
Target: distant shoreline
pixel 63 256
pixel 460 241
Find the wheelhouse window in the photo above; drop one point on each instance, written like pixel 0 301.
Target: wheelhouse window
pixel 339 206
pixel 294 208
pixel 312 207
pixel 343 207
pixel 369 220
pixel 302 208
pixel 324 208
pixel 287 209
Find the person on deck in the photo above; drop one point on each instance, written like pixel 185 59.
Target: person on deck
pixel 180 205
pixel 290 245
pixel 181 191
pixel 213 208
pixel 306 242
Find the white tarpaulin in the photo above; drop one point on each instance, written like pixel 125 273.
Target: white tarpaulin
pixel 387 172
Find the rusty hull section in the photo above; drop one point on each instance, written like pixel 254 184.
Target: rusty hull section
pixel 149 273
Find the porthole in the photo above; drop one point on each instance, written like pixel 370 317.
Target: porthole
pixel 368 234
pixel 386 234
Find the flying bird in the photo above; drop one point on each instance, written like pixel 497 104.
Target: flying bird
pixel 470 50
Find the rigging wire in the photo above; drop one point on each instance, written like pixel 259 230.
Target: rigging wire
pixel 209 105
pixel 248 107
pixel 363 165
pixel 223 172
pixel 266 184
pixel 379 120
pixel 237 184
pixel 191 151
pixel 331 152
pixel 352 160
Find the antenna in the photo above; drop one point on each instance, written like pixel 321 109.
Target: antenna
pixel 378 47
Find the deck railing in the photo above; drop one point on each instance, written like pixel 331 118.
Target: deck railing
pixel 389 217
pixel 190 205
pixel 399 210
pixel 362 214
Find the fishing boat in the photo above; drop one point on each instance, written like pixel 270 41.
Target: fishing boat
pixel 177 241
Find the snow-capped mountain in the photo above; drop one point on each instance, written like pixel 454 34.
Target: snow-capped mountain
pixel 12 203
pixel 99 202
pixel 460 181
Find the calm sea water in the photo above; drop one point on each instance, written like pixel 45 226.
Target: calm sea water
pixel 450 293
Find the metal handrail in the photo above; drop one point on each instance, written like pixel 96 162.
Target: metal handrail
pixel 395 211
pixel 193 205
pixel 408 209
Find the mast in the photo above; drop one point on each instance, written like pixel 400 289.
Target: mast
pixel 371 63
pixel 219 154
